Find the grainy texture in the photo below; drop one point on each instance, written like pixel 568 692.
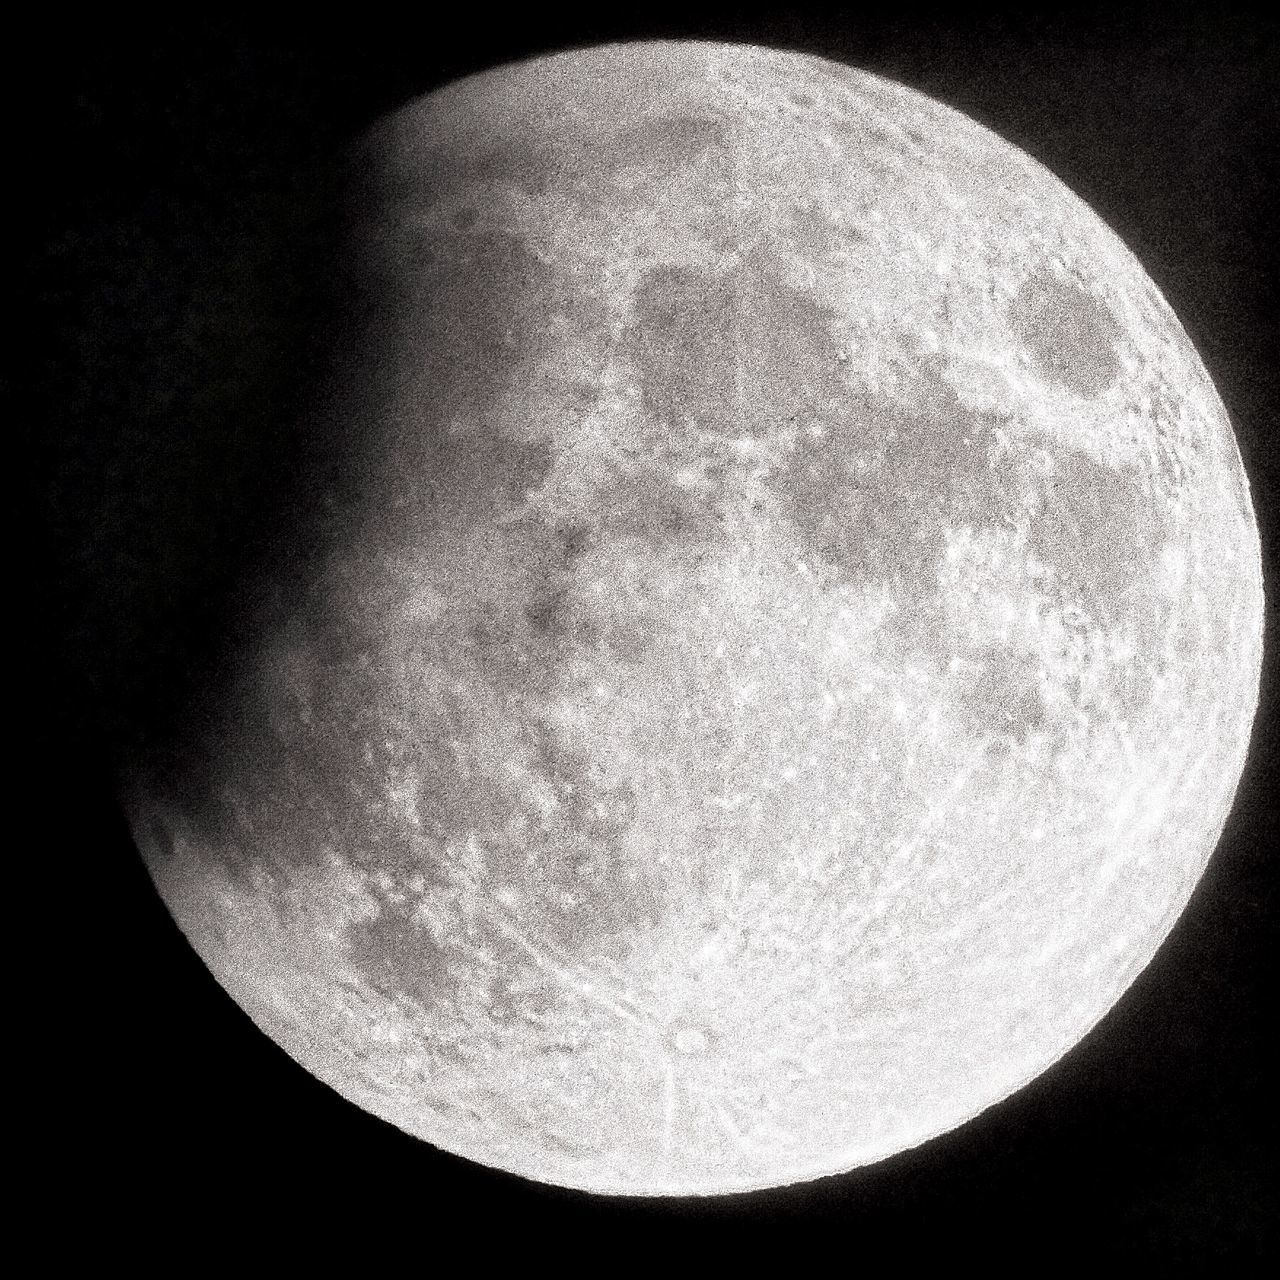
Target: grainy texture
pixel 794 652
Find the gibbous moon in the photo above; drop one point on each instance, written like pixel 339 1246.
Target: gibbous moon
pixel 789 653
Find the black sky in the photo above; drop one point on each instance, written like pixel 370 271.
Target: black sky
pixel 149 159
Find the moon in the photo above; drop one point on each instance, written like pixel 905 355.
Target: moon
pixel 778 658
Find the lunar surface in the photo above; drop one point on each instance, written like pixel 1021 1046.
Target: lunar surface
pixel 790 653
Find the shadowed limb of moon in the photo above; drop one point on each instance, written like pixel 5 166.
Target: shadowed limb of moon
pixel 788 653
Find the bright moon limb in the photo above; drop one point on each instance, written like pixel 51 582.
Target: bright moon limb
pixel 790 657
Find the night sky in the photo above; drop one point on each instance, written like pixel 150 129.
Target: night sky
pixel 176 179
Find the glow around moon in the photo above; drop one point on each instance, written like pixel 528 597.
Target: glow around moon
pixel 790 653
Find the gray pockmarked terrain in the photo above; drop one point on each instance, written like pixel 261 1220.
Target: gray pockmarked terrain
pixel 790 658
